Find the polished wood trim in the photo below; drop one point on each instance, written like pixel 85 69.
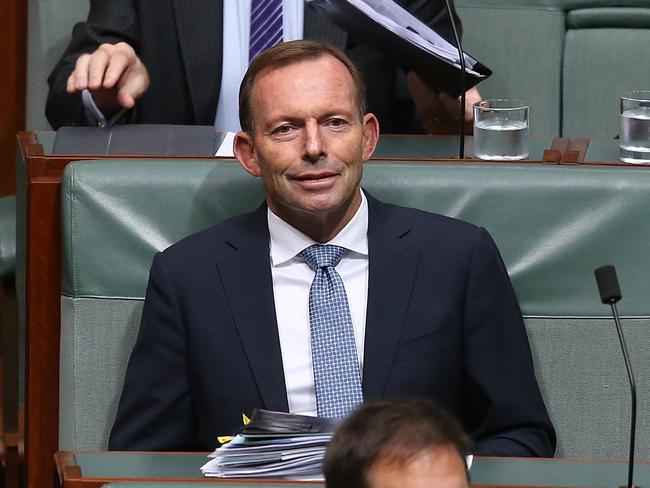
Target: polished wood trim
pixel 13 87
pixel 42 315
pixel 577 150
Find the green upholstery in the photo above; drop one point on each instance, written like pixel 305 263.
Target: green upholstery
pixel 7 236
pixel 601 63
pixel 595 18
pixel 50 25
pixel 553 224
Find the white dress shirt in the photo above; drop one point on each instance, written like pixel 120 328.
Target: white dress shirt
pixel 292 278
pixel 236 33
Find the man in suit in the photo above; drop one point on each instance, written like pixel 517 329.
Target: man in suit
pixel 161 60
pixel 233 315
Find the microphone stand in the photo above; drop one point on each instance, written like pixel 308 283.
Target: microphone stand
pixel 610 293
pixel 630 375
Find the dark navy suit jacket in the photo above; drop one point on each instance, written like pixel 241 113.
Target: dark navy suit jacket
pixel 442 323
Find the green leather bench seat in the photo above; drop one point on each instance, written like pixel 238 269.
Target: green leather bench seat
pixel 553 224
pixel 7 236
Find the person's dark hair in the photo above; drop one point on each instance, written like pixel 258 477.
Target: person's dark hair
pixel 287 53
pixel 393 431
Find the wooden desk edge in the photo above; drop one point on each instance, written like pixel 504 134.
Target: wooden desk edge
pixel 70 475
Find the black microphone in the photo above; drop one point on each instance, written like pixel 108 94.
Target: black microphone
pixel 610 293
pixel 463 70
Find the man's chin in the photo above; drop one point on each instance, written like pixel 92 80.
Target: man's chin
pixel 315 206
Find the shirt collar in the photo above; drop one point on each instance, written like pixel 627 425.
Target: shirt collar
pixel 286 241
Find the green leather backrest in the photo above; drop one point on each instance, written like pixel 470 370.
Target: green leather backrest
pixel 49 29
pixel 553 224
pixel 606 53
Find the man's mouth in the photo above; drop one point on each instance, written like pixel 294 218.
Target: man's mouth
pixel 316 180
pixel 320 175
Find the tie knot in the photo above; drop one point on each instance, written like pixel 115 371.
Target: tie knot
pixel 322 256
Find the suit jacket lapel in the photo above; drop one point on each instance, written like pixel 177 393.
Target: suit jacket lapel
pixel 246 277
pixel 392 268
pixel 200 38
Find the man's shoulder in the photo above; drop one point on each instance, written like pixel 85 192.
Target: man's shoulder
pixel 425 221
pixel 419 215
pixel 215 240
pixel 432 235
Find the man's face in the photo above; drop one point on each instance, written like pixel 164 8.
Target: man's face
pixel 309 140
pixel 442 467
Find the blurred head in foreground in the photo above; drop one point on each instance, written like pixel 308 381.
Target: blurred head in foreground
pixel 391 444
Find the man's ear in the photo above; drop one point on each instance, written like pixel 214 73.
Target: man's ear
pixel 370 135
pixel 244 150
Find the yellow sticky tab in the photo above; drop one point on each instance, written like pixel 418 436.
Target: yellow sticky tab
pixel 224 439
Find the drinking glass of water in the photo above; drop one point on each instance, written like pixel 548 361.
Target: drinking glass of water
pixel 501 129
pixel 635 127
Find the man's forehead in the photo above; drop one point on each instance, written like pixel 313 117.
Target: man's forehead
pixel 285 73
pixel 309 88
pixel 438 465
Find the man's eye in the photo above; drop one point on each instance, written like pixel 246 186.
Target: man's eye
pixel 283 129
pixel 336 122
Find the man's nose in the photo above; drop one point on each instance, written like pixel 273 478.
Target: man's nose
pixel 313 142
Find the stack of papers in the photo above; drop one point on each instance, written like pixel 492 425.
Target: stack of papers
pixel 287 456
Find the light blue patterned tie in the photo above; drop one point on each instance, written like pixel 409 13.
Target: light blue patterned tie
pixel 266 25
pixel 336 367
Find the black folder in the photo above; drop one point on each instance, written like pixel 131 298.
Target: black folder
pixel 269 422
pixel 439 73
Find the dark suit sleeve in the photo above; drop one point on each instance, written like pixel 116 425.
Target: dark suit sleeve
pixel 503 398
pixel 108 22
pixel 155 410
